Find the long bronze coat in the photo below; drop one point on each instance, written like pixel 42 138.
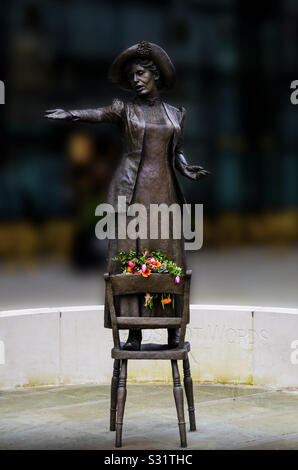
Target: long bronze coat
pixel 130 117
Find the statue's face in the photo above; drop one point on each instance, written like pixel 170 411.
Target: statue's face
pixel 142 80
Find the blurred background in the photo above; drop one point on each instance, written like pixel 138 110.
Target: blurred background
pixel 235 63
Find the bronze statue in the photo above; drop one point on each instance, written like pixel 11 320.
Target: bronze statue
pixel 152 132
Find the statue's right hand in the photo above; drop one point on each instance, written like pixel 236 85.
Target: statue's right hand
pixel 58 114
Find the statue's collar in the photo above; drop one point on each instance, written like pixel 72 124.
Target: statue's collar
pixel 147 101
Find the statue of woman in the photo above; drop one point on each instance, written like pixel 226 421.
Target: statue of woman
pixel 152 133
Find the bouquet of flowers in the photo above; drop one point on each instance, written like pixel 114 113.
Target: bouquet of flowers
pixel 146 264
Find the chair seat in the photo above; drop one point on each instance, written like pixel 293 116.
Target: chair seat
pixel 152 351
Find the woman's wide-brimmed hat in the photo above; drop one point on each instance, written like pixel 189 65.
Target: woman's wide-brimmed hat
pixel 143 50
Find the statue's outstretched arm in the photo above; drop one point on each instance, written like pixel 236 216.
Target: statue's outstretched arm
pixel 112 113
pixel 193 172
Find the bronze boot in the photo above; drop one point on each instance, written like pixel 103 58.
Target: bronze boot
pixel 173 337
pixel 134 339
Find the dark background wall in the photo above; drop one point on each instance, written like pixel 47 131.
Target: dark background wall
pixel 235 62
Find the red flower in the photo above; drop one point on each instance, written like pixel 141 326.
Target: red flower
pixel 156 264
pixel 146 272
pixel 153 262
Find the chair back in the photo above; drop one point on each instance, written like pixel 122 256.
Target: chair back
pixel 123 284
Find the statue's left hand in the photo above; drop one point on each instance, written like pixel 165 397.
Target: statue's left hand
pixel 196 172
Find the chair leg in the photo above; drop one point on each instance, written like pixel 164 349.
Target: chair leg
pixel 114 390
pixel 121 398
pixel 189 394
pixel 178 395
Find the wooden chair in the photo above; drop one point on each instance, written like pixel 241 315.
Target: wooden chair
pixel 156 283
